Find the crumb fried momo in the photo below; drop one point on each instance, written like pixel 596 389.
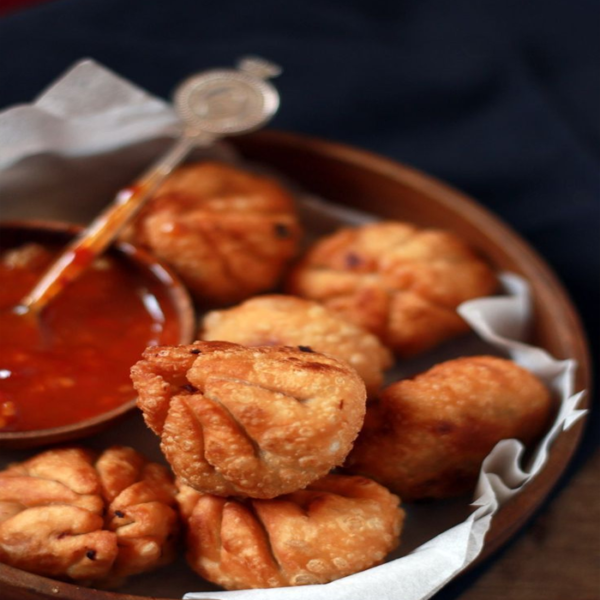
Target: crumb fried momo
pixel 397 281
pixel 69 514
pixel 435 430
pixel 255 422
pixel 337 526
pixel 277 320
pixel 227 233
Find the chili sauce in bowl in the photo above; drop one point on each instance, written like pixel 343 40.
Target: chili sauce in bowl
pixel 65 373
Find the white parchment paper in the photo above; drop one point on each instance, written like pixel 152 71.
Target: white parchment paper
pixel 88 110
pixel 92 125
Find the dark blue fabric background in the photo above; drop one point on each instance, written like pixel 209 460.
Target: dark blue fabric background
pixel 499 98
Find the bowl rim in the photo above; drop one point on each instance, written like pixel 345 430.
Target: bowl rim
pixel 512 515
pixel 142 260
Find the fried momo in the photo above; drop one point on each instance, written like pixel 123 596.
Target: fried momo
pixel 435 430
pixel 140 501
pixel 337 526
pixel 255 422
pixel 227 233
pixel 289 321
pixel 397 281
pixel 70 515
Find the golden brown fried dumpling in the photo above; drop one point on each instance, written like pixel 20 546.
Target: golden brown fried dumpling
pixel 399 282
pixel 51 519
pixel 228 233
pixel 255 422
pixel 66 514
pixel 337 526
pixel 140 500
pixel 290 321
pixel 434 431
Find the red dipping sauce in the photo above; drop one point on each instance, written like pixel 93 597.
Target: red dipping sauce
pixel 73 362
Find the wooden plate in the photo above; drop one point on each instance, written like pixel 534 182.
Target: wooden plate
pixel 389 190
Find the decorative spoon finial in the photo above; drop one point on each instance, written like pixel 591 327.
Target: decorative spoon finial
pixel 213 104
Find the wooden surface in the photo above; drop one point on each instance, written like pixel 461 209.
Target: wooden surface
pixel 556 558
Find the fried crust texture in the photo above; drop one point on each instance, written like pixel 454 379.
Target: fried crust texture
pixel 228 233
pixel 140 511
pixel 69 514
pixel 255 422
pixel 51 517
pixel 277 320
pixel 435 430
pixel 337 526
pixel 399 282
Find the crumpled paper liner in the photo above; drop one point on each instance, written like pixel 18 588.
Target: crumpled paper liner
pixel 91 120
pixel 423 572
pixel 87 111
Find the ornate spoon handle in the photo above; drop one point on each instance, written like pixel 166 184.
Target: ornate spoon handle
pixel 212 104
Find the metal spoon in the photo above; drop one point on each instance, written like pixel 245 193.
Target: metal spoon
pixel 212 104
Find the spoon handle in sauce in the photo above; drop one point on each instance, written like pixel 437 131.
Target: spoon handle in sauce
pixel 212 104
pixel 80 253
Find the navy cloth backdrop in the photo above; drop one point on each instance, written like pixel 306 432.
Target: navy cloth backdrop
pixel 499 98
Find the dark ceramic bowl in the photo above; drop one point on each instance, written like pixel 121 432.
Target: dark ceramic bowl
pixel 159 278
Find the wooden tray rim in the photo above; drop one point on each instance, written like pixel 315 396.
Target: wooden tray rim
pixel 517 511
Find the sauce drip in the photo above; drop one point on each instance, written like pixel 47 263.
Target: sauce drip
pixel 73 362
